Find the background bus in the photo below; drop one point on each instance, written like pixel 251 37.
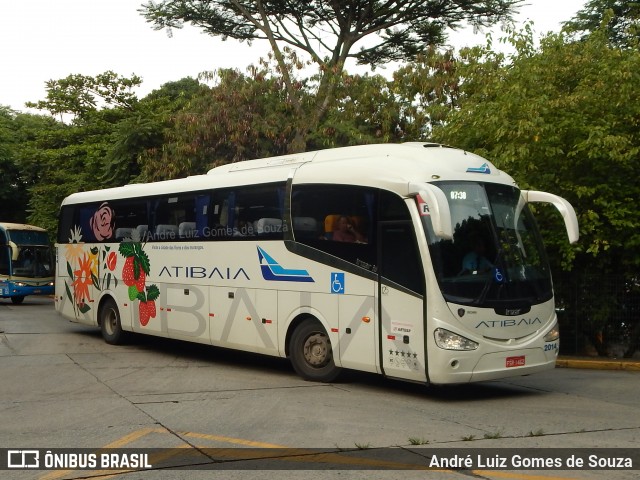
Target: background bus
pixel 360 257
pixel 26 262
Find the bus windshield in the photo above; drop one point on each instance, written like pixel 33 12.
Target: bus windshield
pixel 496 258
pixel 31 255
pixel 33 262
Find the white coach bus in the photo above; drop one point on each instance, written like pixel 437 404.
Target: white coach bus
pixel 416 261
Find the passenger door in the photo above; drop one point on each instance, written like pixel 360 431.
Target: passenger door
pixel 401 302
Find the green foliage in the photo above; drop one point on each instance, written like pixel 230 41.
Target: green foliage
pixel 145 128
pixel 240 117
pixel 365 110
pixel 329 34
pixel 79 95
pixel 427 91
pixel 12 186
pixel 249 115
pixel 21 159
pixel 621 17
pixel 401 29
pixel 98 147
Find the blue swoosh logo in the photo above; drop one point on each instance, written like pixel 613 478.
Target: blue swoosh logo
pixel 484 168
pixel 273 271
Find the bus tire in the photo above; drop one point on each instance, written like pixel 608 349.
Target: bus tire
pixel 17 300
pixel 110 324
pixel 311 353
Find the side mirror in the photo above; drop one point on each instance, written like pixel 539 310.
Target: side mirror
pixel 564 207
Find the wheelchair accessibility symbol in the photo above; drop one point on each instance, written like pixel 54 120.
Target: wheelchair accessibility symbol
pixel 337 282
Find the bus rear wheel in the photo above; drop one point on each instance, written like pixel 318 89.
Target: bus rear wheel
pixel 311 353
pixel 17 300
pixel 110 324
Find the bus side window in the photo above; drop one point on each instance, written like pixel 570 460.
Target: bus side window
pixel 336 219
pixel 4 259
pixel 220 216
pixel 65 223
pixel 131 216
pixel 170 214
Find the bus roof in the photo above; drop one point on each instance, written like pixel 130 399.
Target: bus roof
pixel 20 226
pixel 390 166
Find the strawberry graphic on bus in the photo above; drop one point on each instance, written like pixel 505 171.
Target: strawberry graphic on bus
pixel 134 273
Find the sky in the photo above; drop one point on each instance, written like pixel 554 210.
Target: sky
pixel 43 40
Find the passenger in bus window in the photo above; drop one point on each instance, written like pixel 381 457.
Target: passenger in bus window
pixel 346 232
pixel 27 259
pixel 475 261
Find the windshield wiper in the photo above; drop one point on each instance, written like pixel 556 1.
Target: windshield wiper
pixel 490 278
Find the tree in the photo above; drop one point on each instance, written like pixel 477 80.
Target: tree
pixel 12 188
pixel 622 19
pixel 74 155
pixel 19 151
pixel 240 117
pixel 78 95
pixel 246 115
pixel 145 129
pixel 328 32
pixel 427 90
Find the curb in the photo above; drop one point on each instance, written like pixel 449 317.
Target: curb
pixel 596 364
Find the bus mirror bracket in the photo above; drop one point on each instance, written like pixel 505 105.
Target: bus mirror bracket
pixel 15 251
pixel 564 207
pixel 438 208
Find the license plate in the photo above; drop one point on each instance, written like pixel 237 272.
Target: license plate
pixel 36 291
pixel 515 361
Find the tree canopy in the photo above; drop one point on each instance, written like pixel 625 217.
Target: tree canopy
pixel 328 32
pixel 621 17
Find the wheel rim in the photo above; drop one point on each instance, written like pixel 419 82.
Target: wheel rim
pixel 111 321
pixel 317 350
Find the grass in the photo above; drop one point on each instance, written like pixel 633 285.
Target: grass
pixel 418 441
pixel 362 446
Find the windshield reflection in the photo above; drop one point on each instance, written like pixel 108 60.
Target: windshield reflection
pixel 496 257
pixel 33 262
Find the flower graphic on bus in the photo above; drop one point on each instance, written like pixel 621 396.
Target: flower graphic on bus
pixel 82 270
pixel 134 274
pixel 85 270
pixel 82 280
pixel 102 222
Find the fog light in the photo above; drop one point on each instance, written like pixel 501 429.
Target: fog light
pixel 451 341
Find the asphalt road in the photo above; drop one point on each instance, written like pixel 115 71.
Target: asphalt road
pixel 63 387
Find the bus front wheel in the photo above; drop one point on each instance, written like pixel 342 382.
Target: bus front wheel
pixel 17 300
pixel 110 324
pixel 311 353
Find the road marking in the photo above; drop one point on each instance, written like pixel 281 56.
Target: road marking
pixel 235 441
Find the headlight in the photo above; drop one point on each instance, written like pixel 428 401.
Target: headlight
pixel 452 341
pixel 553 334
